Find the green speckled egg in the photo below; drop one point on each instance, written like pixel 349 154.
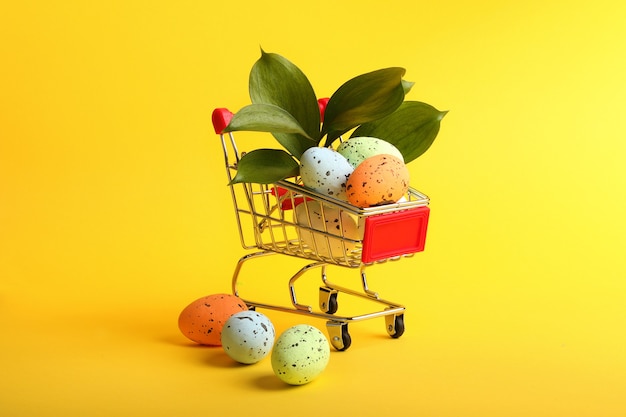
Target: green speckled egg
pixel 359 148
pixel 300 354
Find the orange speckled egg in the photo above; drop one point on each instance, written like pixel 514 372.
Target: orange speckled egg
pixel 202 321
pixel 379 179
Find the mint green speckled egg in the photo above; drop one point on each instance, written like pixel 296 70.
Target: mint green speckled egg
pixel 300 354
pixel 358 149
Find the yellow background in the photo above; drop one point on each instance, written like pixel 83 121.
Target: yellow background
pixel 114 214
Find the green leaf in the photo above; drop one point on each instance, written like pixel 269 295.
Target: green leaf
pixel 362 99
pixel 407 86
pixel 265 166
pixel 412 128
pixel 264 118
pixel 295 143
pixel 275 80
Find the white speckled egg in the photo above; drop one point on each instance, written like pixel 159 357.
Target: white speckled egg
pixel 330 220
pixel 326 171
pixel 300 354
pixel 359 148
pixel 248 336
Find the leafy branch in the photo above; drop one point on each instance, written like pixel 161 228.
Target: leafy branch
pixel 285 105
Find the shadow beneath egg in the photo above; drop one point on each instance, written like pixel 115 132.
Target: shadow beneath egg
pixel 210 355
pixel 218 358
pixel 271 383
pixel 184 342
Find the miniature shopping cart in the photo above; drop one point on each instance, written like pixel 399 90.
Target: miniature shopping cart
pixel 385 233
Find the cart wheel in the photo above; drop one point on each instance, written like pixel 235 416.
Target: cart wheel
pixel 395 325
pixel 328 300
pixel 339 336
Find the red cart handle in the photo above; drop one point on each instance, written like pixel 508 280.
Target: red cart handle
pixel 221 118
pixel 322 102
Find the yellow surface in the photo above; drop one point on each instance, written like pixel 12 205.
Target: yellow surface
pixel 114 213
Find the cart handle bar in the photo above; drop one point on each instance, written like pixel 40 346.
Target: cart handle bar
pixel 221 116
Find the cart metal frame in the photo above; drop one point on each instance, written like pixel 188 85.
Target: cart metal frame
pixel 385 233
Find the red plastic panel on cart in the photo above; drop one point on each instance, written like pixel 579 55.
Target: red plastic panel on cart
pixel 287 203
pixel 393 234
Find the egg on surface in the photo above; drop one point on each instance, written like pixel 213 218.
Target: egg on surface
pixel 359 148
pixel 326 219
pixel 300 355
pixel 202 320
pixel 248 336
pixel 326 171
pixel 380 179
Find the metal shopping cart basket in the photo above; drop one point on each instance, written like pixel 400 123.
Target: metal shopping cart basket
pixel 289 219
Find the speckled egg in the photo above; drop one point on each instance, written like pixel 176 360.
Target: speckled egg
pixel 300 354
pixel 378 180
pixel 358 149
pixel 326 171
pixel 202 321
pixel 326 219
pixel 248 336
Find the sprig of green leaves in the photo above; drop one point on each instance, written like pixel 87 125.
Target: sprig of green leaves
pixel 284 104
pixel 412 128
